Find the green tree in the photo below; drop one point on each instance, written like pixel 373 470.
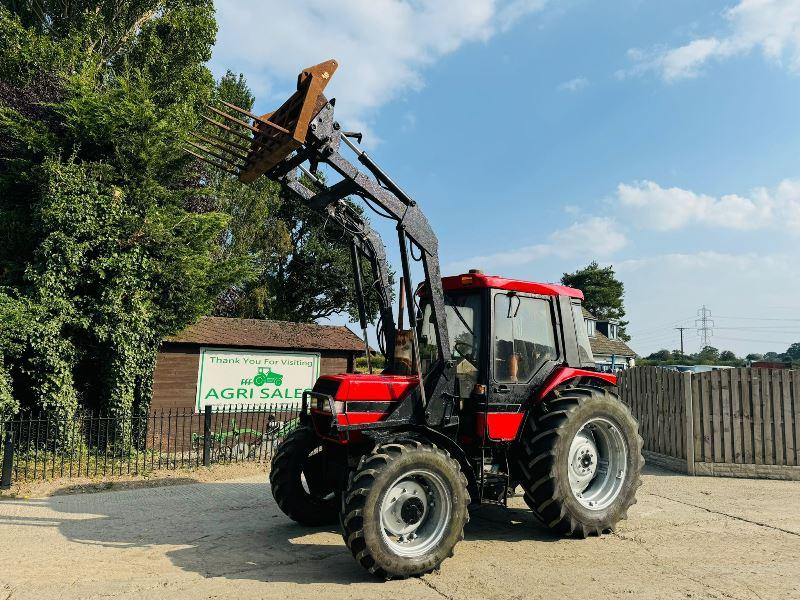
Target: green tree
pixel 793 352
pixel 708 355
pixel 660 356
pixel 8 404
pixel 679 357
pixel 106 253
pixel 603 293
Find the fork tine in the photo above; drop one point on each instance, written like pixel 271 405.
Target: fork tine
pixel 211 162
pixel 225 115
pixel 223 141
pixel 214 154
pixel 226 128
pixel 221 146
pixel 257 118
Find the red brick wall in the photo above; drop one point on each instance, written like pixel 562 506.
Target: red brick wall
pixel 175 376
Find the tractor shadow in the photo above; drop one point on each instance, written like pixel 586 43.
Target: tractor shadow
pixel 231 530
pixel 506 524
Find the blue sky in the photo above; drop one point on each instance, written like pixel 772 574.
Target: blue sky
pixel 662 138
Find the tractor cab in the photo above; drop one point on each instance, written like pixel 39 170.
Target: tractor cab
pixel 508 338
pixel 505 331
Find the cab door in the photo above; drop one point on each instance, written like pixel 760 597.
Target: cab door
pixel 523 352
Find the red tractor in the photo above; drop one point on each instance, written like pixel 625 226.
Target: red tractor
pixel 497 388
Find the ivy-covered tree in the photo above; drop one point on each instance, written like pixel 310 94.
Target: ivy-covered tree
pixel 102 251
pixel 603 293
pixel 111 236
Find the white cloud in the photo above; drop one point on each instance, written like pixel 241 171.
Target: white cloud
pixel 512 11
pixel 382 46
pixel 596 237
pixel 773 26
pixel 573 85
pixel 651 206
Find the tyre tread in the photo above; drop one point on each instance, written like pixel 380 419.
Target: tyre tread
pixel 353 499
pixel 537 460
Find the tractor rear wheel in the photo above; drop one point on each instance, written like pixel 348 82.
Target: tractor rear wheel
pixel 404 509
pixel 581 461
pixel 300 480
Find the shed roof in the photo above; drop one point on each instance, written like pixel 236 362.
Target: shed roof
pixel 261 333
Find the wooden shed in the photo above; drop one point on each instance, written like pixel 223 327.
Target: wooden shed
pixel 179 369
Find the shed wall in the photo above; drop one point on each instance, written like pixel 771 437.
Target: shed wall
pixel 175 376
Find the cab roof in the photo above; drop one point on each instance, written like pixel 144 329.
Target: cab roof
pixel 473 280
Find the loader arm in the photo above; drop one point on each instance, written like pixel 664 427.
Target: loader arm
pixel 303 130
pixel 365 243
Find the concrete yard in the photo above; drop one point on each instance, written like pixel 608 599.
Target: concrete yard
pixel 686 538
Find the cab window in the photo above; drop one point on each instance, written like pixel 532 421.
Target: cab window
pixel 523 337
pixel 582 334
pixel 464 325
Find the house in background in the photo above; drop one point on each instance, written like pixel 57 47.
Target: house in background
pixel 611 353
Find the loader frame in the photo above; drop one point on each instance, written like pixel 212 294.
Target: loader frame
pixel 304 131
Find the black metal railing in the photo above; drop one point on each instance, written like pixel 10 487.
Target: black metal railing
pixel 36 447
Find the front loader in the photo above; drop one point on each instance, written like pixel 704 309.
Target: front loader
pixel 496 388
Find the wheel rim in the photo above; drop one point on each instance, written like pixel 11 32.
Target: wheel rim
pixel 415 513
pixel 597 463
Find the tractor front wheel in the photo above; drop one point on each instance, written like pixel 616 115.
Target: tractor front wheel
pixel 404 509
pixel 300 479
pixel 581 461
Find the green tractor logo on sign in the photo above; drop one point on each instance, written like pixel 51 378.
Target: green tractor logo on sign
pixel 268 376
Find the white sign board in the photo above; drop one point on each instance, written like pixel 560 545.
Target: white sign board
pixel 253 377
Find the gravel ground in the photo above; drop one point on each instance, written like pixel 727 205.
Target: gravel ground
pixel 686 538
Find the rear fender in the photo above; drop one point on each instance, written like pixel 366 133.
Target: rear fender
pixel 564 377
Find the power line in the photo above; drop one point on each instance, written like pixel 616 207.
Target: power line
pixel 704 325
pixel 655 339
pixel 762 328
pixel 660 327
pixel 733 339
pixel 756 318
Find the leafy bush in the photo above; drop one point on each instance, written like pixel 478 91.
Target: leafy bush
pixel 378 363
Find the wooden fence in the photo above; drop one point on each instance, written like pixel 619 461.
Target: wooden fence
pixel 743 422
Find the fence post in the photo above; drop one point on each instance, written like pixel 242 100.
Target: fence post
pixel 689 421
pixel 207 437
pixel 8 458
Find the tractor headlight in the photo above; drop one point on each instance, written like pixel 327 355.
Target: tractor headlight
pixel 323 404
